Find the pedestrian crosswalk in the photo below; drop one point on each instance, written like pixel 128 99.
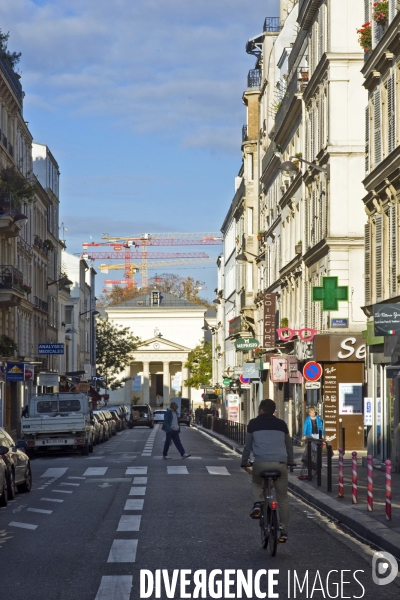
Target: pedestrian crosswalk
pixel 140 474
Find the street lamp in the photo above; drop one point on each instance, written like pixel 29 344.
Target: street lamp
pixel 63 280
pixel 288 168
pixel 242 256
pixel 95 312
pixel 218 301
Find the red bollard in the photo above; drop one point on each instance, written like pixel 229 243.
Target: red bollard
pixel 341 486
pixel 388 465
pixel 354 478
pixel 370 485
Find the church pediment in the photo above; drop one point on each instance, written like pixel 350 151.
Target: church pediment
pixel 157 344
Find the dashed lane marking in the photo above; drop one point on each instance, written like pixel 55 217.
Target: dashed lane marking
pixel 134 504
pixel 139 480
pixel 40 510
pixel 74 484
pixel 129 523
pixel 62 491
pixel 123 551
pixel 54 472
pixel 51 500
pixel 95 471
pixel 115 587
pixel 218 470
pixel 177 471
pixel 137 491
pixel 76 477
pixel 136 471
pixel 22 525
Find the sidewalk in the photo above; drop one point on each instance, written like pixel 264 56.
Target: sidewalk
pixel 372 526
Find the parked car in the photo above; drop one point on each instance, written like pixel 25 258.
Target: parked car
pixel 18 468
pixel 159 416
pixel 106 428
pixel 141 415
pixel 102 428
pixel 117 418
pixel 111 422
pixel 3 479
pixel 97 429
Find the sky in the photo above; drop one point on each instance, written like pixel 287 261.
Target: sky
pixel 140 102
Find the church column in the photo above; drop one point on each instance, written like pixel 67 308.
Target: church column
pixel 185 375
pixel 166 384
pixel 146 383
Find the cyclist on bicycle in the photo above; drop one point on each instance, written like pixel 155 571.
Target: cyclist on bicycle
pixel 269 440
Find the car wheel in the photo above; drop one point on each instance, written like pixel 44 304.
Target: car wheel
pixel 85 449
pixel 12 490
pixel 4 495
pixel 27 485
pixel 151 425
pixel 91 446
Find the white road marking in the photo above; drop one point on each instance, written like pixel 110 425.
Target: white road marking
pixel 76 477
pixel 40 510
pixel 177 471
pixel 22 525
pixel 74 484
pixel 136 471
pixel 218 470
pixel 134 504
pixel 115 586
pixel 137 491
pixel 62 491
pixel 95 471
pixel 129 523
pixel 137 480
pixel 93 457
pixel 123 551
pixel 51 500
pixel 54 472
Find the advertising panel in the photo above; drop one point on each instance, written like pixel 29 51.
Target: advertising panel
pixel 387 319
pixel 350 399
pixel 269 320
pixel 279 369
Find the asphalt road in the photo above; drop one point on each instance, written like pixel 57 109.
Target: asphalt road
pixel 91 525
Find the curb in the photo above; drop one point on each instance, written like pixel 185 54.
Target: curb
pixel 230 443
pixel 371 530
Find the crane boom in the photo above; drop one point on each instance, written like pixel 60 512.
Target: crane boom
pixel 139 255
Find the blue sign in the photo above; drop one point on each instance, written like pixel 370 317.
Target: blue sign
pixel 340 323
pixel 50 348
pixel 15 371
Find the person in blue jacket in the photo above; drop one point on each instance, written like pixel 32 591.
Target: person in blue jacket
pixel 312 424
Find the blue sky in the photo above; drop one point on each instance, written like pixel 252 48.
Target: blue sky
pixel 140 101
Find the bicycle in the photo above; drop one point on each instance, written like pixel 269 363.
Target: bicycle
pixel 304 458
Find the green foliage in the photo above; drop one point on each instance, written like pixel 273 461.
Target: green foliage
pixel 14 185
pixel 12 57
pixel 114 352
pixel 199 364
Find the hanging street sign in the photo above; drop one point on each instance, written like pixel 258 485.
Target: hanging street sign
pixel 313 385
pixel 312 371
pixel 330 294
pixel 50 348
pixel 246 344
pixel 386 319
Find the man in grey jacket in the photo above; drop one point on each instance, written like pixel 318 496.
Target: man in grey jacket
pixel 269 440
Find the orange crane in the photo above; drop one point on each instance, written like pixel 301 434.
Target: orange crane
pixel 122 247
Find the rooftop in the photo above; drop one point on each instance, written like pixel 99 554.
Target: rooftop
pixel 166 301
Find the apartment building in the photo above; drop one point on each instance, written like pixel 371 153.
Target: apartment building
pixel 381 202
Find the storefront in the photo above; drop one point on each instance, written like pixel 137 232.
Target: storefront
pixel 342 359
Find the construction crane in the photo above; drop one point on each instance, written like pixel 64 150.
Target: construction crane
pixel 134 268
pixel 125 245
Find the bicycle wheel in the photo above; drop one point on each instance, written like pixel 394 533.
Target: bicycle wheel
pixel 273 527
pixel 264 527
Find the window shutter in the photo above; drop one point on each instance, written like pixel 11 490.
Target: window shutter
pixel 366 10
pixel 321 213
pixel 367 139
pixel 320 33
pixel 377 128
pixel 312 136
pixel 378 257
pixel 391 113
pixel 306 222
pixel 367 263
pixel 393 233
pixel 306 302
pixel 392 9
pixel 307 139
pixel 313 219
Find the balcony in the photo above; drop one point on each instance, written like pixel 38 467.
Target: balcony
pixel 307 10
pixel 11 78
pixel 271 25
pixel 9 227
pixel 298 83
pixel 40 245
pixel 40 304
pixel 11 286
pixel 244 133
pixel 254 78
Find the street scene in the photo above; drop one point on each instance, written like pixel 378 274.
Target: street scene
pixel 199 299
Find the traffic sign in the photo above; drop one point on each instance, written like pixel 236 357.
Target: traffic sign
pixel 313 385
pixel 226 381
pixel 312 371
pixel 244 380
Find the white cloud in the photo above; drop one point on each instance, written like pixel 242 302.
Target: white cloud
pixel 175 67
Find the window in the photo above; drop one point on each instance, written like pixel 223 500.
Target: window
pixel 249 276
pixel 249 167
pixel 249 221
pixel 391 113
pixel 367 140
pixel 377 128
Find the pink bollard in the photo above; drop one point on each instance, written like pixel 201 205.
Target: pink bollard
pixel 370 484
pixel 354 478
pixel 388 465
pixel 341 478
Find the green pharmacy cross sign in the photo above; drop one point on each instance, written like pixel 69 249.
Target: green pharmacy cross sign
pixel 330 293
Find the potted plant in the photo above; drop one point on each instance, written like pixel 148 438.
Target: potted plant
pixel 284 322
pixel 260 236
pixel 297 162
pixel 49 245
pixel 365 36
pixel 26 288
pixel 381 12
pixel 298 247
pixel 7 346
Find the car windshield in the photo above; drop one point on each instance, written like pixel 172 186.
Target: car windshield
pixel 60 406
pixel 159 412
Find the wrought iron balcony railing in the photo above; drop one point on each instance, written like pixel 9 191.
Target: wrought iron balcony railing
pixel 254 78
pixel 272 24
pixel 244 133
pixel 11 278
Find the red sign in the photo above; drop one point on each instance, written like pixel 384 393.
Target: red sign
pixel 244 380
pixel 312 371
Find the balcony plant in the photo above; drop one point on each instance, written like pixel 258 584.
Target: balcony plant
pixel 365 36
pixel 298 247
pixel 284 322
pixel 15 186
pixel 7 346
pixel 260 236
pixel 12 57
pixel 26 288
pixel 380 12
pixel 49 245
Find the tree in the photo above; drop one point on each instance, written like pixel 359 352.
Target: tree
pixel 14 186
pixel 199 364
pixel 12 57
pixel 115 345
